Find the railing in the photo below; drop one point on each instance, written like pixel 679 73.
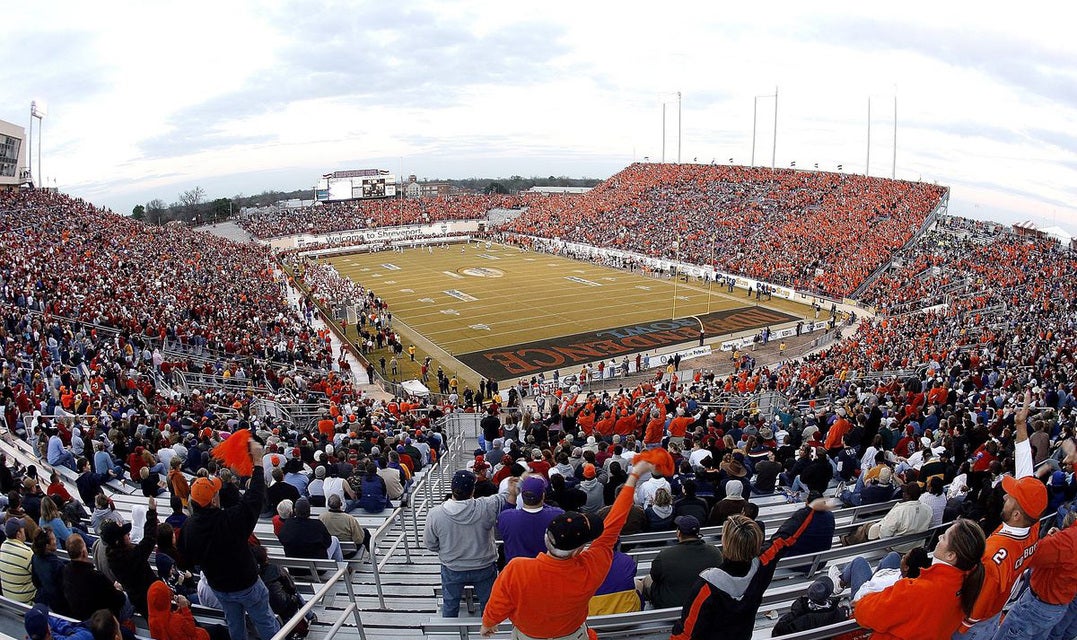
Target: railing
pixel 422 497
pixel 342 574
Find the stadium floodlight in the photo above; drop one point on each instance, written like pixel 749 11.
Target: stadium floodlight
pixel 38 109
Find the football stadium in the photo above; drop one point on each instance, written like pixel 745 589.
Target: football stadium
pixel 693 378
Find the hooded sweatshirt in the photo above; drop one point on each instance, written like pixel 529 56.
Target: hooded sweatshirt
pixel 461 532
pixel 166 624
pixel 100 516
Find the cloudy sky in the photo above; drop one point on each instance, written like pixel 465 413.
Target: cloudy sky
pixel 149 99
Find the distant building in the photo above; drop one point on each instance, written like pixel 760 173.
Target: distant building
pixel 14 164
pixel 415 189
pixel 1030 230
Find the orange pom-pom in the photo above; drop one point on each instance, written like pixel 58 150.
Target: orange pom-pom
pixel 235 453
pixel 660 458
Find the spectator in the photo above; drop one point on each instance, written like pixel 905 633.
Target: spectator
pixel 861 580
pixel 374 495
pixel 51 518
pixel 728 597
pixel 1044 609
pixel 86 589
pixel 89 483
pixel 908 516
pixel 284 511
pixel 935 500
pixel 280 490
pixel 216 540
pixel 943 593
pixel 617 593
pixel 1026 498
pixel 47 571
pixel 732 503
pixel 813 610
pixel 570 568
pixel 178 487
pixel 130 562
pixel 660 511
pixel 16 559
pixel 343 526
pixel 593 486
pixel 461 532
pixel 675 569
pixel 304 537
pixel 41 626
pixel 689 504
pixel 171 618
pixel 58 454
pixel 104 511
pixel 523 530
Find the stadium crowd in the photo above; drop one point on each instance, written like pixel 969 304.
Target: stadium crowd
pixel 336 217
pixel 965 413
pixel 822 232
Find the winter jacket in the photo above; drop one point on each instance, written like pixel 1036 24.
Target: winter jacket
pixel 130 564
pixel 305 538
pixel 87 590
pixel 47 572
pixel 166 624
pixel 805 615
pixel 936 614
pixel 216 539
pixel 675 569
pixel 726 599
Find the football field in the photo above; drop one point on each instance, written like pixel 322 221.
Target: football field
pixel 506 313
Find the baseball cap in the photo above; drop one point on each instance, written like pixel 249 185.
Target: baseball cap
pixel 1029 493
pixel 12 526
pixel 588 470
pixel 463 482
pixel 572 529
pixel 821 589
pixel 112 533
pixel 688 525
pixel 37 622
pixel 532 489
pixel 203 490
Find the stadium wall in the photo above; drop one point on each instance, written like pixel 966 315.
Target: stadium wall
pixel 380 234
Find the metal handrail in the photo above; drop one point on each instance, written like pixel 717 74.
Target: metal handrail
pixel 343 569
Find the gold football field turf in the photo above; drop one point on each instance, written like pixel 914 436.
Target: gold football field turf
pixel 462 299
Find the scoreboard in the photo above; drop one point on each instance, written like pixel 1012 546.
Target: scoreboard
pixel 355 184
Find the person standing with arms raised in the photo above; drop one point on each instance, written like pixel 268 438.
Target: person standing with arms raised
pixel 1013 542
pixel 216 539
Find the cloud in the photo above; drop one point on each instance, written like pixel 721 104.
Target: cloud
pixel 1024 63
pixel 376 58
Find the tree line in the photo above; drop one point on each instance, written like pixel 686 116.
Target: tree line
pixel 193 208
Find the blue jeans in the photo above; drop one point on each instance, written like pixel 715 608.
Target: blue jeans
pixel 253 601
pixel 857 572
pixel 1030 618
pixel 452 588
pixel 983 630
pixel 1067 627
